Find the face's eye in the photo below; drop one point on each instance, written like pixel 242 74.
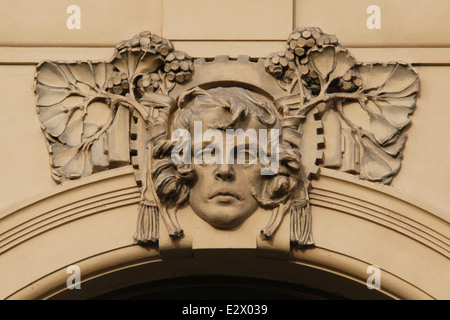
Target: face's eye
pixel 198 154
pixel 246 155
pixel 209 155
pixel 210 151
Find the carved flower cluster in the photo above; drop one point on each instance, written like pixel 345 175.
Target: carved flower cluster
pixel 301 45
pixel 148 82
pixel 118 83
pixel 281 65
pixel 320 72
pixel 145 42
pixel 178 67
pixel 150 64
pixel 78 102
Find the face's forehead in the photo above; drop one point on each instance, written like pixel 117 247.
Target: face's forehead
pixel 213 118
pixel 210 118
pixel 235 110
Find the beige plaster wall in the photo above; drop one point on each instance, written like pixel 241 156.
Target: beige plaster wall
pixel 415 23
pixel 413 31
pixel 43 22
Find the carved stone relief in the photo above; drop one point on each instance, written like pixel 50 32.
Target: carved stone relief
pixel 329 109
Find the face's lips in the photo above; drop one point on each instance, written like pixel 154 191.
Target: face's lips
pixel 224 193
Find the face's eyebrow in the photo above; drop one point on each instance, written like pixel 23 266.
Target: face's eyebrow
pixel 246 144
pixel 207 143
pixel 235 142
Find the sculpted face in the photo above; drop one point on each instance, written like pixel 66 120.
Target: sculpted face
pixel 226 134
pixel 222 192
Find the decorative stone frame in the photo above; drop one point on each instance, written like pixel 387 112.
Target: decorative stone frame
pixel 356 222
pixel 312 84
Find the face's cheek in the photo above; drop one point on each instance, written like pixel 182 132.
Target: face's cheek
pixel 220 212
pixel 203 181
pixel 245 178
pixel 252 175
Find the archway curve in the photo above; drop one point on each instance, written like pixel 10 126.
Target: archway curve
pixel 90 223
pixel 110 275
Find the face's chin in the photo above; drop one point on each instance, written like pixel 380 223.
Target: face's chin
pixel 223 215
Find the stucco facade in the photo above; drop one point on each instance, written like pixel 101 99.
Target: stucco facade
pixel 403 228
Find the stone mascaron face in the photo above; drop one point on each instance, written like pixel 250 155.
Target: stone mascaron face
pixel 319 93
pixel 222 191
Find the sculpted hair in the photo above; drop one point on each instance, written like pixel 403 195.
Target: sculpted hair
pixel 172 182
pixel 238 101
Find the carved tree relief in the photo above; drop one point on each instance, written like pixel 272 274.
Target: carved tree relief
pixel 332 111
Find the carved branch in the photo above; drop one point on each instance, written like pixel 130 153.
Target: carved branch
pixel 144 70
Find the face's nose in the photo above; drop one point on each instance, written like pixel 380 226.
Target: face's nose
pixel 224 172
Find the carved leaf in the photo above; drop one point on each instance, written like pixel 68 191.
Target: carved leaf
pixel 54 119
pixel 150 64
pixel 387 96
pixel 84 74
pixel 330 62
pixel 70 162
pixel 376 164
pixel 51 75
pixel 48 96
pixel 371 102
pixel 77 102
pixel 382 129
pixel 74 110
pixel 134 61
